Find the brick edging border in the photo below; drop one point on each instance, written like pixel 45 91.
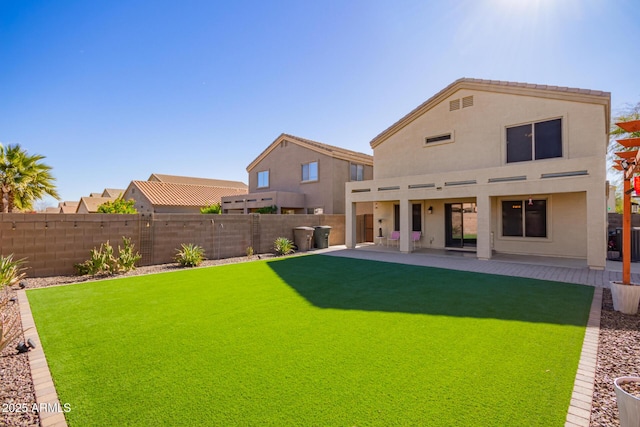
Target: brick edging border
pixel 579 414
pixel 51 412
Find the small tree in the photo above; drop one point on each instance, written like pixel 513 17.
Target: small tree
pixel 118 206
pixel 213 208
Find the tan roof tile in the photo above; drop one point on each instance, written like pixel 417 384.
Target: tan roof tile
pixel 196 181
pixel 172 194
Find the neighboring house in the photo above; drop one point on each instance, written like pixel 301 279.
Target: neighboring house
pixel 112 192
pixel 68 207
pixel 300 176
pixel 171 197
pixel 90 204
pixel 157 177
pixel 498 166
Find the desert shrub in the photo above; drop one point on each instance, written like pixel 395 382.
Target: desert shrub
pixel 249 251
pixel 283 246
pixel 190 255
pixel 11 271
pixel 104 261
pixel 127 258
pixel 267 210
pixel 9 329
pixel 214 208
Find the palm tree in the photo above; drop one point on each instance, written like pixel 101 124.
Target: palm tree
pixel 23 179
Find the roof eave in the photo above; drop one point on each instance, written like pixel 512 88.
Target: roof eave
pixel 570 94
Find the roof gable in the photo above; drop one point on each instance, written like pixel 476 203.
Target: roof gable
pixel 319 147
pixel 497 86
pixel 92 203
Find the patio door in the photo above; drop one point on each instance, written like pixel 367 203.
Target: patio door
pixel 461 225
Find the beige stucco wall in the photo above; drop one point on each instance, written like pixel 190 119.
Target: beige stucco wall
pixel 473 166
pixel 480 134
pixel 284 164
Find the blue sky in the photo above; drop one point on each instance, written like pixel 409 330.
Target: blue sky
pixel 112 91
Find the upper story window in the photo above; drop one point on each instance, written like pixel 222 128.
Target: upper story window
pixel 310 171
pixel 357 172
pixel 534 141
pixel 263 179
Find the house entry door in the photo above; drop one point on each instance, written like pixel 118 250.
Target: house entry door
pixel 461 225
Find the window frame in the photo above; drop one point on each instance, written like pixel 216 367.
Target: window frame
pixel 450 138
pixel 258 179
pixel 357 166
pixel 308 165
pixel 524 218
pixel 533 145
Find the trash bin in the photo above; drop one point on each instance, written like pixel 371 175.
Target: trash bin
pixel 321 236
pixel 303 238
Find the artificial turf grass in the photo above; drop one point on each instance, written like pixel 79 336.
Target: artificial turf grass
pixel 314 340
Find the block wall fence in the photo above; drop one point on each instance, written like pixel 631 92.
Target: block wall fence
pixel 53 243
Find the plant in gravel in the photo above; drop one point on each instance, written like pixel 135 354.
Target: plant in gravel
pixel 104 261
pixel 11 271
pixel 190 255
pixel 249 251
pixel 127 259
pixel 9 329
pixel 283 246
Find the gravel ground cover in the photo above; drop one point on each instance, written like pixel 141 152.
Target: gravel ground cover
pixel 618 355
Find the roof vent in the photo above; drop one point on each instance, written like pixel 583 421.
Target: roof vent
pixel 454 105
pixel 467 101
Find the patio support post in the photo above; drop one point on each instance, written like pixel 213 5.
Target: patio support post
pixel 405 226
pixel 483 204
pixel 350 225
pixel 596 228
pixel 626 232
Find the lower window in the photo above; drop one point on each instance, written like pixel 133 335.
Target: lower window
pixel 524 218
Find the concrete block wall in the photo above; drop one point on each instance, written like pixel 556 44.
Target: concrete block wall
pixel 54 243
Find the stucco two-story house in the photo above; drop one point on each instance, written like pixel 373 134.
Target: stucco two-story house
pixel 494 167
pixel 301 176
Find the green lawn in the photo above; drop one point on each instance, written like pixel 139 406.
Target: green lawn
pixel 314 340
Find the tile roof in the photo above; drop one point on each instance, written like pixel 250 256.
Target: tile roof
pixel 92 203
pixel 172 194
pixel 68 207
pixel 196 181
pixel 547 91
pixel 112 192
pixel 329 150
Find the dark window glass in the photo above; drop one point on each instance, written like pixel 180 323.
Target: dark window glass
pixel 536 218
pixel 416 214
pixel 396 217
pixel 548 137
pixel 432 139
pixel 357 172
pixel 519 140
pixel 512 218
